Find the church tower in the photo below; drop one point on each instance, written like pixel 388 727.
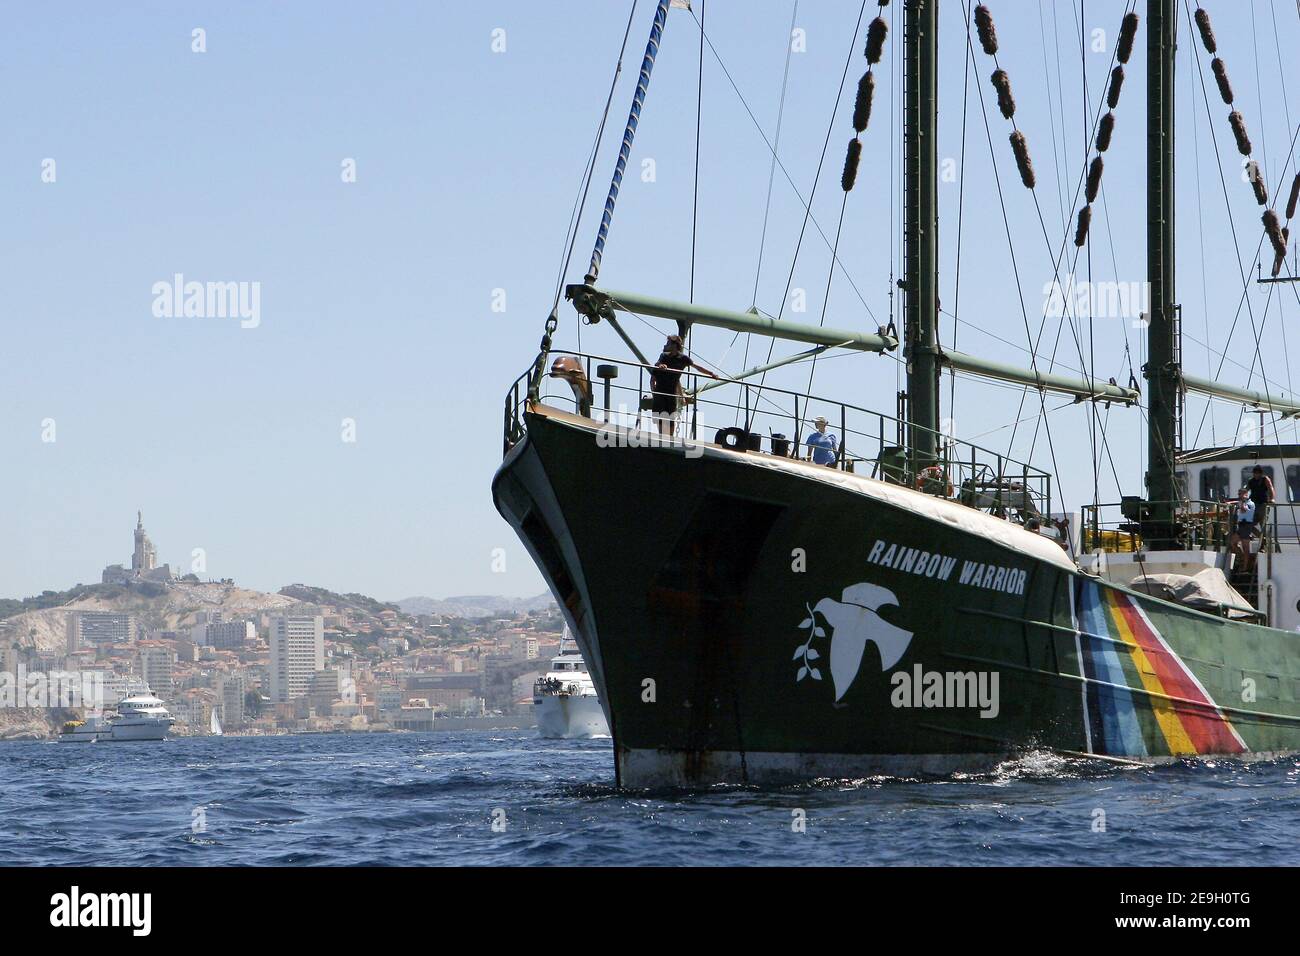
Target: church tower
pixel 144 557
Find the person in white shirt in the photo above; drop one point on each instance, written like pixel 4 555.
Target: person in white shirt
pixel 1243 529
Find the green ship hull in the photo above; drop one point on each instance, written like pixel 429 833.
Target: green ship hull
pixel 749 619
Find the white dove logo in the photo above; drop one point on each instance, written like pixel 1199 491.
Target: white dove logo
pixel 854 620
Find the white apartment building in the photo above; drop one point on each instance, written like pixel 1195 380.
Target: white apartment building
pixel 224 635
pixel 297 653
pixel 98 627
pixel 523 647
pixel 156 667
pixel 231 689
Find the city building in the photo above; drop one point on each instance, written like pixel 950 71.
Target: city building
pixel 445 691
pixel 297 653
pixel 231 689
pixel 326 688
pixel 98 627
pixel 394 644
pixel 416 715
pixel 523 646
pixel 224 635
pixel 157 666
pixel 195 708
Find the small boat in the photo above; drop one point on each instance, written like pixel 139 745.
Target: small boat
pixel 565 698
pixel 215 726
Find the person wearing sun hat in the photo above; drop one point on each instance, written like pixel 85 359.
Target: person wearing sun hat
pixel 822 448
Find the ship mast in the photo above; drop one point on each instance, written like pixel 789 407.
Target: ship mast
pixel 921 225
pixel 1163 371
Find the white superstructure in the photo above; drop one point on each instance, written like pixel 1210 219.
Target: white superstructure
pixel 565 697
pixel 1211 477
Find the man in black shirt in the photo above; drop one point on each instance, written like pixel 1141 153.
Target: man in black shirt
pixel 666 383
pixel 1261 493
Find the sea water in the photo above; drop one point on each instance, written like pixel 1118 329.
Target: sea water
pixel 481 797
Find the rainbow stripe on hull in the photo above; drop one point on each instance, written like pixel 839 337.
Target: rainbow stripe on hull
pixel 1140 698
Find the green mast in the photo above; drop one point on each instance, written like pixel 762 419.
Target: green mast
pixel 1162 371
pixel 921 223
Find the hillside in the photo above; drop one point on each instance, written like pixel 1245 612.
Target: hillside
pixel 155 606
pixel 360 608
pixel 477 605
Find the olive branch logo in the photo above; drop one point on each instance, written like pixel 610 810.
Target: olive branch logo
pixel 805 651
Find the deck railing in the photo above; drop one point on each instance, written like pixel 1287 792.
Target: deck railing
pixel 772 421
pixel 1207 525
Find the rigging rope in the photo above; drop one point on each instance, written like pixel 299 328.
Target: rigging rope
pixel 776 145
pixel 684 328
pixel 1207 36
pixel 1200 235
pixel 1202 24
pixel 988 40
pixel 877 32
pixel 961 202
pixel 806 203
pixel 857 28
pixel 1295 188
pixel 580 201
pixel 575 218
pixel 629 133
pixel 699 111
pixel 771 178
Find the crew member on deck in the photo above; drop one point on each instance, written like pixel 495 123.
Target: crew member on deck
pixel 822 448
pixel 666 383
pixel 1243 528
pixel 1261 493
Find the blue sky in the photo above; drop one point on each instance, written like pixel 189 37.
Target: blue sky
pixel 376 295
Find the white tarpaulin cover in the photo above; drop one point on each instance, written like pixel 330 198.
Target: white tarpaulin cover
pixel 1208 590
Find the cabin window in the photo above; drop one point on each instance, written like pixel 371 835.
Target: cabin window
pixel 1293 482
pixel 1214 484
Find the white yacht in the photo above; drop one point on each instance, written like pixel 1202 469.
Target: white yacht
pixel 138 717
pixel 565 697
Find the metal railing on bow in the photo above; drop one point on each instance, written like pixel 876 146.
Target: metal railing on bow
pixel 763 419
